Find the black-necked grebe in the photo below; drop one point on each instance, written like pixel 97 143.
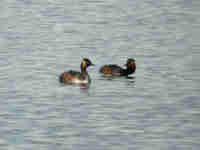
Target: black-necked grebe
pixel 115 70
pixel 75 77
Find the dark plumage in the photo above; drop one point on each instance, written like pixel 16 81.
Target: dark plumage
pixel 115 70
pixel 75 77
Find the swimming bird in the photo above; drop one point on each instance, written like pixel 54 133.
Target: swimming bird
pixel 115 70
pixel 75 77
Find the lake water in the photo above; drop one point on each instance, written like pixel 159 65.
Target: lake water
pixel 157 109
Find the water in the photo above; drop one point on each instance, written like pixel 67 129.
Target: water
pixel 158 108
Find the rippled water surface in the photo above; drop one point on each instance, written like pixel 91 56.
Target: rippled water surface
pixel 157 108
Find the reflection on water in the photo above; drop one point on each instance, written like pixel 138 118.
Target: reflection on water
pixel 127 79
pixel 157 107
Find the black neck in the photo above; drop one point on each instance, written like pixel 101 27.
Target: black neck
pixel 83 70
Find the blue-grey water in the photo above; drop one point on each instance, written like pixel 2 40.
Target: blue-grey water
pixel 157 109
